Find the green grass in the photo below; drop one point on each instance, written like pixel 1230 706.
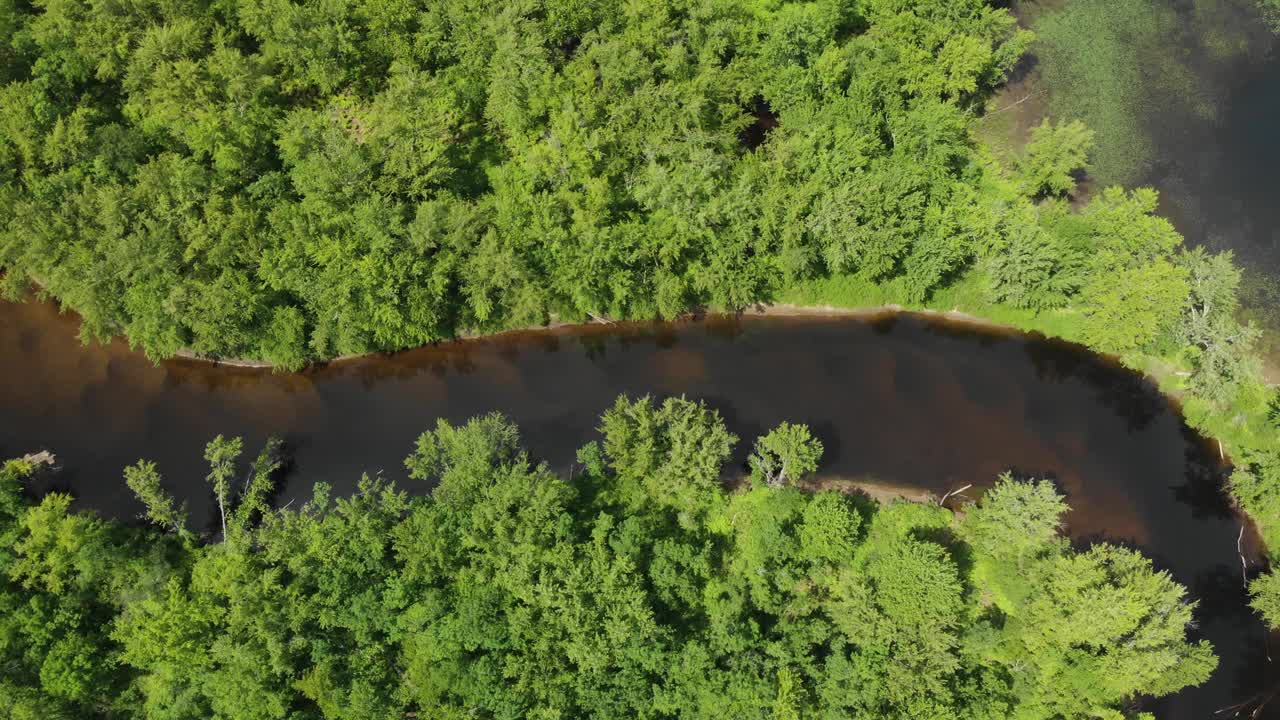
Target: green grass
pixel 968 294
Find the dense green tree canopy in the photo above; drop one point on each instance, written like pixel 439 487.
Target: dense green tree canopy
pixel 301 180
pixel 293 181
pixel 639 586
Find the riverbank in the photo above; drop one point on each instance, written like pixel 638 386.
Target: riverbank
pixel 1242 427
pixel 763 309
pixel 881 492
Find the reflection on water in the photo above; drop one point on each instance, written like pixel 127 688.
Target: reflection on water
pixel 1217 173
pixel 905 399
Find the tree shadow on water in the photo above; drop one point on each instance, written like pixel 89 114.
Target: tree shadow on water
pixel 1204 487
pixel 832 448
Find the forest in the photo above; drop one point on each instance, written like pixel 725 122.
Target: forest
pixel 639 586
pixel 297 181
pixel 292 181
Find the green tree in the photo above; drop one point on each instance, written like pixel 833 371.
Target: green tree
pixel 1222 348
pixel 900 608
pixel 1126 232
pixel 786 454
pixel 1254 482
pixel 1132 308
pixel 259 485
pixel 160 507
pixel 669 455
pixel 1034 268
pixel 1102 627
pixel 66 575
pixel 222 454
pixel 1055 153
pixel 830 528
pixel 1264 592
pixel 1012 526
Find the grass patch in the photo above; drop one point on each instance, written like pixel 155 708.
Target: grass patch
pixel 967 294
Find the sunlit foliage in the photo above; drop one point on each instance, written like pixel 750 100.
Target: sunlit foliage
pixel 291 181
pixel 638 586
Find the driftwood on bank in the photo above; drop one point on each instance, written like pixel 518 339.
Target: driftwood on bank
pixel 44 458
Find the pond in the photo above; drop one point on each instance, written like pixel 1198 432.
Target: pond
pixel 903 399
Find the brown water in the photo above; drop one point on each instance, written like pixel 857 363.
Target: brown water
pixel 904 399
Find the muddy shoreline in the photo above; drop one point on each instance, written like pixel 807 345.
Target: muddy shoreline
pixel 761 310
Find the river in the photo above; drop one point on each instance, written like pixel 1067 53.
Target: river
pixel 903 399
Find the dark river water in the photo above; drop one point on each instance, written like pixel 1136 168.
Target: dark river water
pixel 1215 159
pixel 904 399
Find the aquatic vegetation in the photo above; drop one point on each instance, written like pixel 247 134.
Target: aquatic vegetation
pixel 1112 64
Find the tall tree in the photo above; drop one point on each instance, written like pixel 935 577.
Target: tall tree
pixel 1102 626
pixel 1222 346
pixel 1264 592
pixel 160 507
pixel 221 454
